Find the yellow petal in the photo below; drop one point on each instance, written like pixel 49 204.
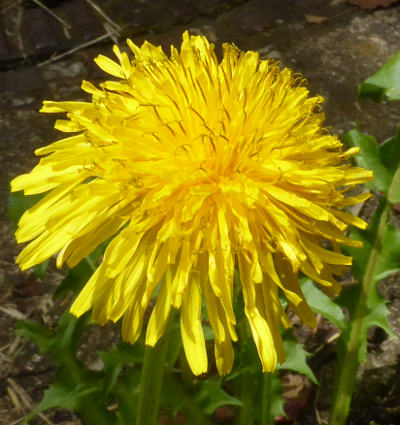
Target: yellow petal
pixel 191 328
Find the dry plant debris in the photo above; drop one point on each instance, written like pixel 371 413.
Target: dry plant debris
pixel 372 4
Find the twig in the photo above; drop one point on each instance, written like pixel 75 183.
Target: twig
pixel 15 389
pixel 316 411
pixel 77 48
pixel 6 295
pixel 12 312
pixel 103 15
pixel 8 7
pixel 14 399
pixel 13 347
pixel 54 15
pixel 18 23
pixel 114 33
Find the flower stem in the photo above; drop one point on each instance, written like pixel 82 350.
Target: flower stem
pixel 151 380
pixel 266 417
pixel 245 384
pixel 244 415
pixel 347 367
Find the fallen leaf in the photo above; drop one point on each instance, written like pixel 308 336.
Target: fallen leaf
pixel 292 385
pixel 372 4
pixel 296 392
pixel 312 19
pixel 13 312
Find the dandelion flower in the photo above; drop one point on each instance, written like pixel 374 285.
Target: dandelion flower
pixel 193 168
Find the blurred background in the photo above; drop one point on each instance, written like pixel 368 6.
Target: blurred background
pixel 47 48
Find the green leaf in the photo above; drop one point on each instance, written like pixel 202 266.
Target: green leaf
pixel 383 160
pixel 322 304
pixel 126 391
pixel 210 395
pixel 388 249
pixel 18 203
pixel 40 270
pixel 75 279
pixel 58 395
pixel 61 344
pixel 387 262
pixel 42 337
pixel 75 386
pixel 277 401
pixel 390 153
pixel 79 275
pixel 123 354
pixel 389 259
pixel 81 397
pixel 178 397
pixel 296 358
pixel 369 158
pixel 386 82
pixel 377 314
pixel 373 423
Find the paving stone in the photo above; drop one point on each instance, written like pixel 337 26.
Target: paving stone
pixel 9 26
pixel 181 9
pixel 4 52
pixel 38 34
pixel 21 80
pixel 255 16
pixel 133 17
pixel 85 24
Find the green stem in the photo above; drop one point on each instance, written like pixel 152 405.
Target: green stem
pixel 348 366
pixel 266 417
pixel 195 415
pixel 245 384
pixel 151 380
pixel 244 416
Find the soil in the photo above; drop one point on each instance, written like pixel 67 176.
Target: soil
pixel 333 44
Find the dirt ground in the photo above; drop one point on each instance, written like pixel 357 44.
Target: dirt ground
pixel 334 44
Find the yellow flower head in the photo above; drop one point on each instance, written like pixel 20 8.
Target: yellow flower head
pixel 194 168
